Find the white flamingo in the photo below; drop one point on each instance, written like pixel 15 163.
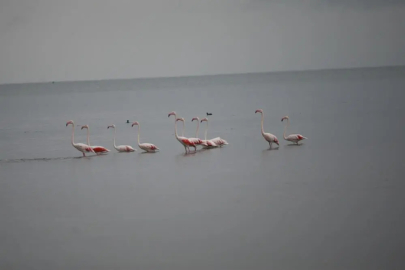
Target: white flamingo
pixel 267 136
pixel 292 137
pixel 121 148
pixel 206 143
pixel 218 140
pixel 97 149
pixel 84 148
pixel 183 140
pixel 148 147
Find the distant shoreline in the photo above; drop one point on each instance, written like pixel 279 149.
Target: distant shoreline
pixel 286 72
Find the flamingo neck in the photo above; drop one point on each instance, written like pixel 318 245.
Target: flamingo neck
pixel 206 130
pixel 184 125
pixel 262 124
pixel 139 130
pixel 285 128
pixel 73 134
pixel 198 126
pixel 175 127
pixel 114 139
pixel 88 137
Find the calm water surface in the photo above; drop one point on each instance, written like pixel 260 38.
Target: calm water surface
pixel 335 202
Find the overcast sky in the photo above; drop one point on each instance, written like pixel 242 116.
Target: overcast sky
pixel 60 40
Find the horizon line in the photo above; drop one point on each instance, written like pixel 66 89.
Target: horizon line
pixel 209 75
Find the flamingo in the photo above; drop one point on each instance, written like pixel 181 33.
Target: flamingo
pixel 183 140
pixel 121 148
pixel 148 147
pixel 267 136
pixel 189 141
pixel 206 143
pixel 79 146
pixel 218 140
pixel 196 140
pixel 97 149
pixel 292 137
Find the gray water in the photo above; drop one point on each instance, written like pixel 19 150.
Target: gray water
pixel 335 202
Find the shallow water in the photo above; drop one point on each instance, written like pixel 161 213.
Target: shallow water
pixel 334 202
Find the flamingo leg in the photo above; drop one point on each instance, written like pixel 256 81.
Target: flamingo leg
pixel 84 155
pixel 270 144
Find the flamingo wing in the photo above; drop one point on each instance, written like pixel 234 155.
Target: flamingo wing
pixel 148 147
pixel 196 141
pixel 270 137
pixel 186 141
pixel 83 147
pixel 209 143
pixel 99 149
pixel 219 141
pixel 295 137
pixel 125 148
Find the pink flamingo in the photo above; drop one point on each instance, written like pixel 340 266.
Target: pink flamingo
pixel 97 149
pixel 183 140
pixel 188 141
pixel 148 147
pixel 206 143
pixel 267 136
pixel 79 146
pixel 218 140
pixel 196 140
pixel 292 137
pixel 121 148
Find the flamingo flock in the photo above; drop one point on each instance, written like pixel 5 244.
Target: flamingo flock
pixel 186 142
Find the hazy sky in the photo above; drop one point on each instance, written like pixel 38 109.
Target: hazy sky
pixel 59 40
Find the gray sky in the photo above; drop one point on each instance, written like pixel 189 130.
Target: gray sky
pixel 59 40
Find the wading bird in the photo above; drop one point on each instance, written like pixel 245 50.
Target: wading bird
pixel 218 140
pixel 121 148
pixel 148 147
pixel 270 138
pixel 292 137
pixel 84 148
pixel 183 140
pixel 97 149
pixel 206 143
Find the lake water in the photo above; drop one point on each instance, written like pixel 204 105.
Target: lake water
pixel 335 202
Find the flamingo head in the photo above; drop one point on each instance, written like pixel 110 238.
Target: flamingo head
pixel 180 119
pixel 284 118
pixel 172 113
pixel 112 126
pixel 276 141
pixel 195 118
pixel 85 126
pixel 70 122
pixel 259 111
pixel 204 119
pixel 135 124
